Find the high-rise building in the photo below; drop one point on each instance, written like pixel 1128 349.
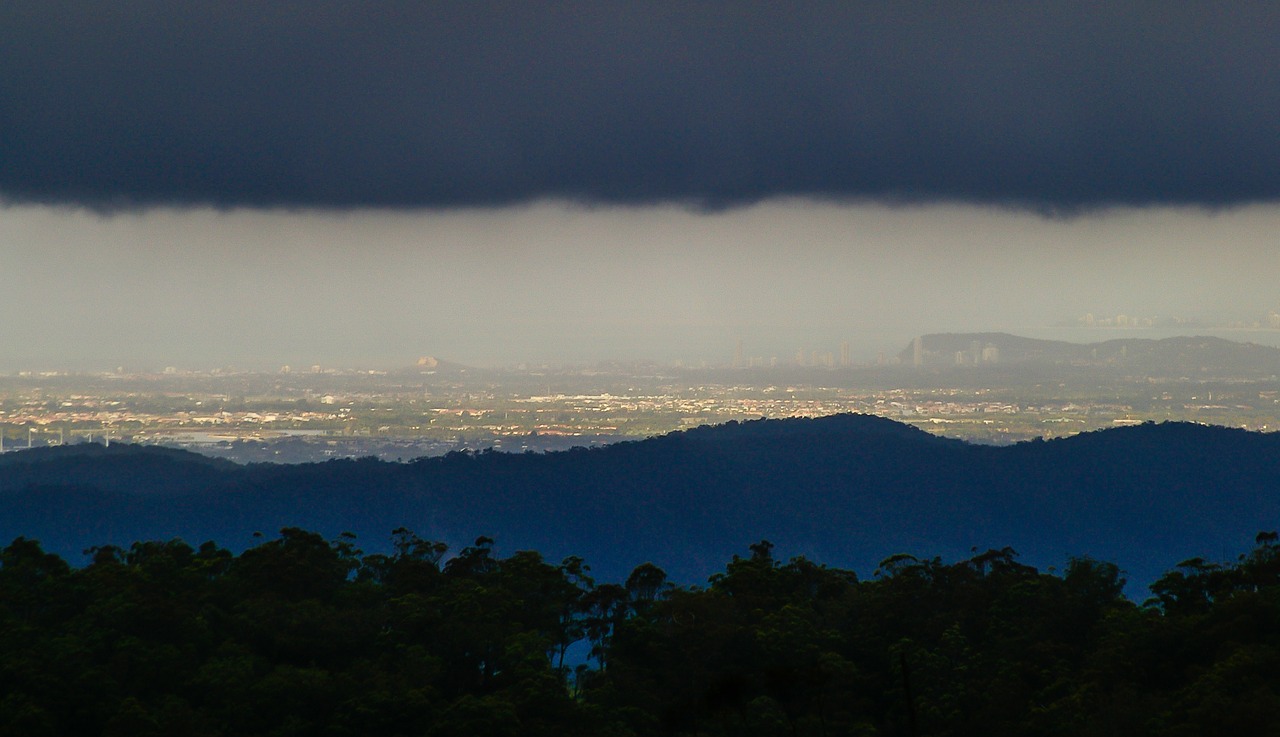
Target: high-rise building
pixel 846 355
pixel 917 352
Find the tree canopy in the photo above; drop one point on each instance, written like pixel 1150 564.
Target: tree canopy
pixel 301 635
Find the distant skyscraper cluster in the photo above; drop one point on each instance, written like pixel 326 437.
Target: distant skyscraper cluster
pixel 978 354
pixel 810 358
pixel 1270 321
pixel 1119 321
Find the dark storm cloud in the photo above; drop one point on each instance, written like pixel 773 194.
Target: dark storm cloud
pixel 1049 106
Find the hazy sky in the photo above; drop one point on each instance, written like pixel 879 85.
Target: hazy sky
pixel 339 182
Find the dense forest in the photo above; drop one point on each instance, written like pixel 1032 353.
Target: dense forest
pixel 303 635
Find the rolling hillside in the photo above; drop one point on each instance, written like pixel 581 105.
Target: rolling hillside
pixel 848 490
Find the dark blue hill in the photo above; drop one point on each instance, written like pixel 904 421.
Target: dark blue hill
pixel 847 490
pixel 148 469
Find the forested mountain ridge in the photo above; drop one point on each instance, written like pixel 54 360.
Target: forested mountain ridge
pixel 847 489
pixel 1166 357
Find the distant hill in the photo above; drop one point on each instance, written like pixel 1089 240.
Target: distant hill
pixel 848 490
pixel 1179 356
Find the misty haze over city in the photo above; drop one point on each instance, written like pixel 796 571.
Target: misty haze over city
pixel 561 283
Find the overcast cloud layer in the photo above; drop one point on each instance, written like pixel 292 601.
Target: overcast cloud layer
pixel 1055 107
